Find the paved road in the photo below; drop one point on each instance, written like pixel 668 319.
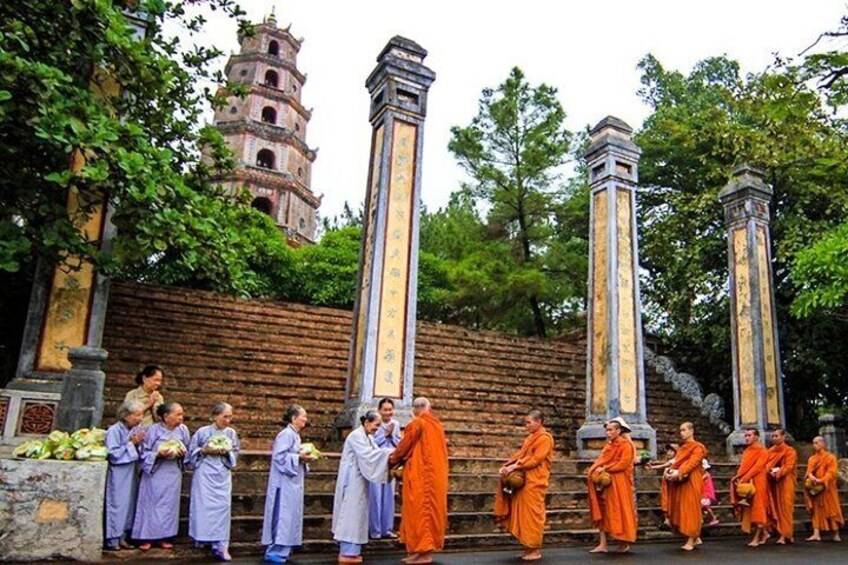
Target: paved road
pixel 724 552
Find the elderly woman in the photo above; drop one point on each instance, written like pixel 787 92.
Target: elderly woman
pixel 158 507
pixel 149 381
pixel 362 461
pixel 282 527
pixel 212 452
pixel 122 439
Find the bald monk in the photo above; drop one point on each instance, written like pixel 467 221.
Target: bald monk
pixel 423 451
pixel 685 478
pixel 612 508
pixel 781 487
pixel 823 508
pixel 522 513
pixel 752 469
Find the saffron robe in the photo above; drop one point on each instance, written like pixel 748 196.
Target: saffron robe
pixel 684 496
pixel 362 461
pixel 141 395
pixel 121 480
pixel 824 508
pixel 612 509
pixel 781 489
pixel 157 513
pixel 752 469
pixel 523 512
pixel 424 514
pixel 283 520
pixel 381 500
pixel 211 486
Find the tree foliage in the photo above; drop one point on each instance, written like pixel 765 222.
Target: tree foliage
pixel 88 105
pixel 702 126
pixel 514 149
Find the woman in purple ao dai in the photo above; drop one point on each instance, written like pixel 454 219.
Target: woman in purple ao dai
pixel 381 499
pixel 122 439
pixel 157 513
pixel 211 483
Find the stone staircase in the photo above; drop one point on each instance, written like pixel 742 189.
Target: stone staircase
pixel 470 502
pixel 261 356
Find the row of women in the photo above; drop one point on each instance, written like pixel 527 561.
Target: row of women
pixel 149 447
pixel 145 505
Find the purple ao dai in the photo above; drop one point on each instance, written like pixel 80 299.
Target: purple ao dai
pixel 283 522
pixel 157 512
pixel 381 497
pixel 121 481
pixel 211 487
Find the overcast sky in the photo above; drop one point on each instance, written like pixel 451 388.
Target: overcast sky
pixel 587 50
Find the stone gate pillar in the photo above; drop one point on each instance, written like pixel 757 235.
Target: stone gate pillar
pixel 383 341
pixel 757 381
pixel 615 383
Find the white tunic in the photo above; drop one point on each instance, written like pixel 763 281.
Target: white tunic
pixel 362 461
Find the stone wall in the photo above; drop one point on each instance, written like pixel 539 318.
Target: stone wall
pixel 261 356
pixel 51 509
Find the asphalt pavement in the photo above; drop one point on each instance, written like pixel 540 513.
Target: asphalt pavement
pixel 724 552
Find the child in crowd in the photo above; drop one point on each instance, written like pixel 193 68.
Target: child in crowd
pixel 708 496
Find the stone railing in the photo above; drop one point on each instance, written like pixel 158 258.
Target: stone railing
pixel 711 405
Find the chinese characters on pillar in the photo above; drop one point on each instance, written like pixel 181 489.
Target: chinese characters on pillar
pixel 394 292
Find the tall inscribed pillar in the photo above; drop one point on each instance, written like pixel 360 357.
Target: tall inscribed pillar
pixel 757 381
pixel 615 370
pixel 383 340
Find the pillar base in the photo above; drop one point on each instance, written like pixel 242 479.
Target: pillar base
pixel 591 438
pixel 81 405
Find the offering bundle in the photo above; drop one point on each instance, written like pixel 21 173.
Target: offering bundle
pixel 84 444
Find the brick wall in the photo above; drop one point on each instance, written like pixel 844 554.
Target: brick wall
pixel 261 356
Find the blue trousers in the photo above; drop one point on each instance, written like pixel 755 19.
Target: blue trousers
pixel 350 549
pixel 278 553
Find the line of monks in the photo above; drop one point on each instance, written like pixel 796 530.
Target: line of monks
pixel 762 490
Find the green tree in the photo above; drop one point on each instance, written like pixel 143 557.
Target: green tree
pixel 141 145
pixel 513 150
pixel 703 125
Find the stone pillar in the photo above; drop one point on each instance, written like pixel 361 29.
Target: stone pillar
pixel 383 341
pixel 757 381
pixel 615 380
pixel 81 405
pixel 67 306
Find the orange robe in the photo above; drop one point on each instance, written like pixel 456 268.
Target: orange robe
pixel 612 509
pixel 781 490
pixel 824 508
pixel 684 496
pixel 752 469
pixel 523 512
pixel 424 512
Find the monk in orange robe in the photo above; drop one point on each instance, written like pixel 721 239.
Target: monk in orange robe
pixel 670 452
pixel 612 508
pixel 424 454
pixel 753 470
pixel 823 508
pixel 685 478
pixel 522 513
pixel 781 487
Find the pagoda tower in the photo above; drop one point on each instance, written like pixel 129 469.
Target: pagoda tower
pixel 267 131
